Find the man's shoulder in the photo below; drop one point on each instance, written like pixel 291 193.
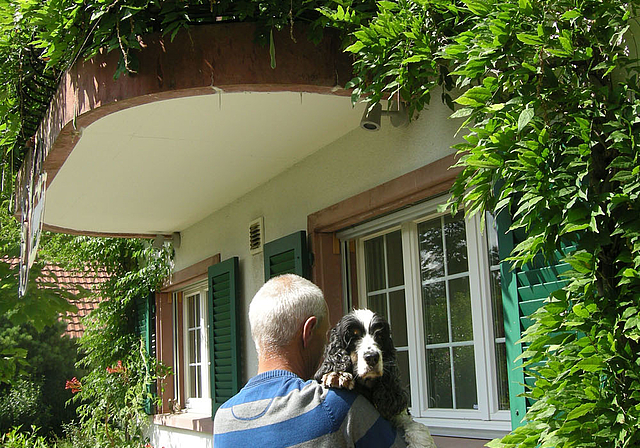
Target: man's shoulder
pixel 278 411
pixel 301 412
pixel 266 387
pixel 344 400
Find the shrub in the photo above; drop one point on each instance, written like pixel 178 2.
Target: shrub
pixel 15 438
pixel 38 396
pixel 21 404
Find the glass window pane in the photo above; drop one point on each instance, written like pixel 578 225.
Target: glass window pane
pixel 191 319
pixel 460 301
pixel 431 251
pixel 374 263
pixel 492 240
pixel 398 318
pixel 196 306
pixel 434 306
pixel 192 346
pixel 503 380
pixel 197 335
pixel 395 268
pixel 403 366
pixel 193 386
pixel 465 375
pixel 199 381
pixel 439 378
pixel 496 305
pixel 378 304
pixel 456 241
pixel 352 273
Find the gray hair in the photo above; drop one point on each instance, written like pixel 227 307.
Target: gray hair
pixel 280 308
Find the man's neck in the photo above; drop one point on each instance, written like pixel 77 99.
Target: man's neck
pixel 279 362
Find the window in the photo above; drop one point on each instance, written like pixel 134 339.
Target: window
pixel 194 346
pixel 205 333
pixel 437 280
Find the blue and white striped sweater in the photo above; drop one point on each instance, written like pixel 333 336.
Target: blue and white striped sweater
pixel 278 409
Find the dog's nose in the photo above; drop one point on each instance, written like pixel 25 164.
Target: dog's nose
pixel 372 358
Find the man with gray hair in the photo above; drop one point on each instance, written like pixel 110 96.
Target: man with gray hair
pixel 277 407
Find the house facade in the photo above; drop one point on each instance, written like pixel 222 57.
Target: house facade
pixel 253 171
pixel 375 242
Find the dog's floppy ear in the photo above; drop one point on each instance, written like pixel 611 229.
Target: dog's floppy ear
pixel 336 358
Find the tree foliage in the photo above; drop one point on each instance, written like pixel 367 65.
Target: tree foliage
pixel 113 393
pixel 549 94
pixel 39 307
pixel 37 396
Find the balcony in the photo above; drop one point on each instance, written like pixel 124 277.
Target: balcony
pixel 204 121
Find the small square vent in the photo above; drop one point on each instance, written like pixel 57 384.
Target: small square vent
pixel 256 236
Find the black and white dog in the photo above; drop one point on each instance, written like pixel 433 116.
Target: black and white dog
pixel 361 356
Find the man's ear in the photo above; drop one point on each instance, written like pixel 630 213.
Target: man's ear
pixel 307 330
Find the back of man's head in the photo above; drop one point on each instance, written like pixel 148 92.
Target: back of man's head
pixel 280 308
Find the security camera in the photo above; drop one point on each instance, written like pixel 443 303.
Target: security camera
pixel 371 118
pixel 397 113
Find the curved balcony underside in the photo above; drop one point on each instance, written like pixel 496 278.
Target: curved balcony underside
pixel 204 121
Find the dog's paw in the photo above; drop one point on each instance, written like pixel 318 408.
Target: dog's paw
pixel 340 380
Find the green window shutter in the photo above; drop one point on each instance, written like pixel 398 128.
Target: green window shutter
pixel 146 329
pixel 224 350
pixel 523 292
pixel 287 255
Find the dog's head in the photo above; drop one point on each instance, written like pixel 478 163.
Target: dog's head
pixel 360 345
pixel 366 338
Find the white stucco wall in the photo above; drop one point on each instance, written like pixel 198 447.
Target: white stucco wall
pixel 168 437
pixel 355 163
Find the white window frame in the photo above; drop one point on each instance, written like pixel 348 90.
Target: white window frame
pixel 487 421
pixel 177 371
pixel 203 404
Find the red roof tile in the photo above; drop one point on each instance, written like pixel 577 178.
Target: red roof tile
pixel 74 282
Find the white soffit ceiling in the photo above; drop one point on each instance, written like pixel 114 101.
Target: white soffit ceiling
pixel 163 166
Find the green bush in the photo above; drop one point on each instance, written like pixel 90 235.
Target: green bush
pixel 38 396
pixel 21 404
pixel 75 437
pixel 15 438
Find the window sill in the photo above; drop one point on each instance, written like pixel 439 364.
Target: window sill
pixel 190 421
pixel 475 429
pixel 455 442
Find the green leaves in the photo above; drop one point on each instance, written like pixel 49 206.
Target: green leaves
pixel 355 47
pixel 562 144
pixel 572 14
pixel 272 50
pixel 529 39
pixel 479 7
pixel 134 270
pixel 591 364
pixel 524 118
pixel 476 97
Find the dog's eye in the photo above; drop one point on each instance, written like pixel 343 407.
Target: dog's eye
pixel 379 333
pixel 356 332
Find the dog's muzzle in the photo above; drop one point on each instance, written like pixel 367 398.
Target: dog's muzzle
pixel 368 359
pixel 372 358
